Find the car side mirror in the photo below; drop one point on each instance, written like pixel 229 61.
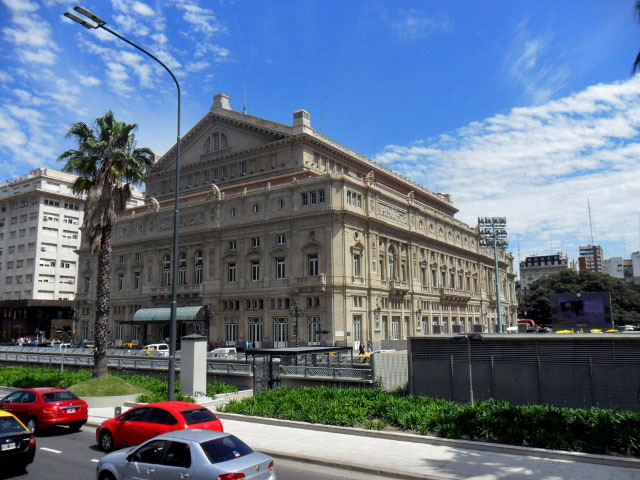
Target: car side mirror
pixel 129 457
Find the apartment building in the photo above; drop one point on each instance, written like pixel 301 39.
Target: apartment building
pixel 540 266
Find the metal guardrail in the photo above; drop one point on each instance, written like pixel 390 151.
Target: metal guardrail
pixel 83 357
pixel 326 372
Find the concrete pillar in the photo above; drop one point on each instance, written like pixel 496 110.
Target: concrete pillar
pixel 193 366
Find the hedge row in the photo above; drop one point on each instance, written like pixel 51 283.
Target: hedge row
pixel 584 430
pixel 20 377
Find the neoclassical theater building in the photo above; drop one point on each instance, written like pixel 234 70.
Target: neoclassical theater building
pixel 273 216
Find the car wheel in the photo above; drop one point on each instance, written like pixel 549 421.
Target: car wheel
pixel 106 476
pixel 106 441
pixel 32 424
pixel 75 426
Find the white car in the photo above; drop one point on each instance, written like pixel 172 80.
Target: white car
pixel 224 352
pixel 161 349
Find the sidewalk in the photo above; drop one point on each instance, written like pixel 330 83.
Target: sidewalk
pixel 403 459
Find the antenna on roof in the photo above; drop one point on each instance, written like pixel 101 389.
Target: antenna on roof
pixel 590 224
pixel 244 101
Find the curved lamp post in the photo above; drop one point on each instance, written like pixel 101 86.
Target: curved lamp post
pixel 100 23
pixel 296 311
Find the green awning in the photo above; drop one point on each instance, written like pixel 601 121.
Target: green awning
pixel 163 315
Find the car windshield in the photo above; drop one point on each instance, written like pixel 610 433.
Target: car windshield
pixel 198 415
pixel 58 396
pixel 10 425
pixel 225 449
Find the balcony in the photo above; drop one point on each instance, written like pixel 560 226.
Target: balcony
pixel 399 288
pixel 453 295
pixel 312 283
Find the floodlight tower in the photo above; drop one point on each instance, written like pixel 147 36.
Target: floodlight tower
pixel 493 233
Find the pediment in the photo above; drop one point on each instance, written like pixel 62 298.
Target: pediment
pixel 240 136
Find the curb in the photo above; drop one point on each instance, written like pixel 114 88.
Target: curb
pixel 622 462
pixel 387 472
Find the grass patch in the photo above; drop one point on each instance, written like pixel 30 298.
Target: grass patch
pixel 105 387
pixel 592 430
pixel 152 389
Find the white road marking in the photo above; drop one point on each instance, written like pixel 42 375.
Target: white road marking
pixel 50 450
pixel 95 460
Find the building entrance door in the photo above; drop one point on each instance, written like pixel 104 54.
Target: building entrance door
pixel 255 332
pixel 280 332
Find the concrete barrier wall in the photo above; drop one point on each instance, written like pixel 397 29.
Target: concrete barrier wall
pixel 390 369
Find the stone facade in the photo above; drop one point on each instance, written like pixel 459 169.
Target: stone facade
pixel 271 214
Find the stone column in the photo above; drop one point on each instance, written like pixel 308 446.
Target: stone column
pixel 193 366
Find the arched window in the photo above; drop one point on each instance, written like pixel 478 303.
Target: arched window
pixel 182 268
pixel 217 141
pixel 198 264
pixel 166 270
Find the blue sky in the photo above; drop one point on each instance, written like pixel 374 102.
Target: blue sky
pixel 516 108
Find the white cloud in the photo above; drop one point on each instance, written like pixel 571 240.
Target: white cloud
pixel 537 166
pixel 5 77
pixel 27 98
pixel 44 57
pixel 21 5
pixel 202 19
pixel 142 9
pixel 89 81
pixel 128 24
pixel 415 24
pixel 529 65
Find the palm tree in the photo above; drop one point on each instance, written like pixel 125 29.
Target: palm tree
pixel 636 63
pixel 107 163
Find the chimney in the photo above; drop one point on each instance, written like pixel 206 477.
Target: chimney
pixel 221 101
pixel 301 121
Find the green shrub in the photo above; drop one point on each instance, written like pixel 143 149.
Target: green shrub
pixel 586 430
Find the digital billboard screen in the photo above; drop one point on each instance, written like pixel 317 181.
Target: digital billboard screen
pixel 581 309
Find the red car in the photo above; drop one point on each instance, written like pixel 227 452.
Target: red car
pixel 40 408
pixel 142 423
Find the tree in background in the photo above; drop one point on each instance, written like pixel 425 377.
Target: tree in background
pixel 625 301
pixel 107 163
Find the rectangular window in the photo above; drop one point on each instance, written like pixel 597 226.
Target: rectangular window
pixel 280 270
pixel 357 265
pixel 87 284
pixel 138 257
pixel 280 239
pixel 121 282
pixel 231 272
pixel 320 196
pixel 255 242
pixel 243 167
pixel 225 172
pixel 357 328
pixel 207 176
pixel 231 331
pixel 189 180
pixel 313 264
pixel 255 270
pixel 313 197
pixel 232 245
pixel 305 199
pixel 136 281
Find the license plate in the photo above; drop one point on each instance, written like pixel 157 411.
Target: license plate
pixel 8 446
pixel 71 410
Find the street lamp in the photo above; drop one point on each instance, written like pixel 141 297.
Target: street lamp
pixel 100 23
pixel 295 311
pixel 493 233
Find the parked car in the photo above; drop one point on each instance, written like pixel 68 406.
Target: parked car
pixel 188 454
pixel 142 423
pixel 17 443
pixel 161 349
pixel 40 408
pixel 223 352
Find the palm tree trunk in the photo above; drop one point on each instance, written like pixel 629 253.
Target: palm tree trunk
pixel 102 304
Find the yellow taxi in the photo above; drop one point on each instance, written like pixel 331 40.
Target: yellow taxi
pixel 564 331
pixel 17 442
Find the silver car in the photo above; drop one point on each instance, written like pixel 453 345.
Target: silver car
pixel 187 455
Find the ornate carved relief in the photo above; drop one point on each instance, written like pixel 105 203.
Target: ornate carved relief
pixel 392 213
